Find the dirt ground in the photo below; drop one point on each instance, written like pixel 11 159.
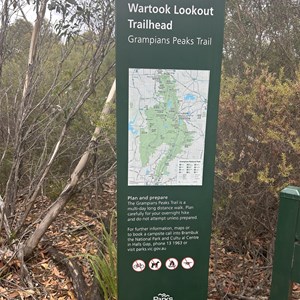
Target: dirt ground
pixel 231 275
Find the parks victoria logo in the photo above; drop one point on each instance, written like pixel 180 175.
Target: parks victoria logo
pixel 163 296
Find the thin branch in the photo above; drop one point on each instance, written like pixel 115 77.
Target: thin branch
pixel 65 195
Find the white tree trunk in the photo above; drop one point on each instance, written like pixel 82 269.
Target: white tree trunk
pixel 27 249
pixel 23 109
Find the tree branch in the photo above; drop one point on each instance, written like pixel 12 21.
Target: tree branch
pixel 27 249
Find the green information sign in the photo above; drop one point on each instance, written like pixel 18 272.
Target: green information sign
pixel 168 77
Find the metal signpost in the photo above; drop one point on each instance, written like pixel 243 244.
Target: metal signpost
pixel 168 77
pixel 286 262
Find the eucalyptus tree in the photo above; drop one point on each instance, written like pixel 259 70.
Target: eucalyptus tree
pixel 262 33
pixel 66 63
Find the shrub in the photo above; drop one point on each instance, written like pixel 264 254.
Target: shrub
pixel 257 153
pixel 104 263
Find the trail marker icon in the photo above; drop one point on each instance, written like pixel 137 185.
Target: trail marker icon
pixel 138 265
pixel 188 263
pixel 155 264
pixel 171 264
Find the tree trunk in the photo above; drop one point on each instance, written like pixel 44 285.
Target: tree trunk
pixel 3 32
pixel 27 249
pixel 23 109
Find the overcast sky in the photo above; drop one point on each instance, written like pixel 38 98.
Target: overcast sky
pixel 31 15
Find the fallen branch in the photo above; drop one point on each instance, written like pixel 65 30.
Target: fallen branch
pixel 73 270
pixel 79 228
pixel 28 247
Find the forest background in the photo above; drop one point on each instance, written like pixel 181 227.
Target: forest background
pixel 58 147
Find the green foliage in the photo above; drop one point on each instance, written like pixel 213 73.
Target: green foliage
pixel 258 150
pixel 262 33
pixel 53 187
pixel 80 15
pixel 5 166
pixel 104 263
pixel 60 79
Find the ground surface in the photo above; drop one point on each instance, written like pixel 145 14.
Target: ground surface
pixel 231 275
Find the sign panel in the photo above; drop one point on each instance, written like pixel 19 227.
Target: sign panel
pixel 168 76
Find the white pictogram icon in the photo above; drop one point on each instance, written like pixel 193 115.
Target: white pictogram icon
pixel 171 263
pixel 162 296
pixel 155 264
pixel 187 263
pixel 138 265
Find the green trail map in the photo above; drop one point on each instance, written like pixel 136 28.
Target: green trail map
pixel 167 121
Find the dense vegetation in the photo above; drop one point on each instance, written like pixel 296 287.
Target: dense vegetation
pixel 258 137
pixel 54 82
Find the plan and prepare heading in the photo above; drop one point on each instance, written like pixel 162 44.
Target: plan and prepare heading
pixel 165 9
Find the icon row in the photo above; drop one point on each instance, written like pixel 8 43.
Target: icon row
pixel 155 264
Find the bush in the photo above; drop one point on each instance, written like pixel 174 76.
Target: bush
pixel 104 264
pixel 257 153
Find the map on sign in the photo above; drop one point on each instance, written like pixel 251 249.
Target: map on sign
pixel 167 121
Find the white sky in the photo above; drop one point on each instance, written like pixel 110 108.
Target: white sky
pixel 31 15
